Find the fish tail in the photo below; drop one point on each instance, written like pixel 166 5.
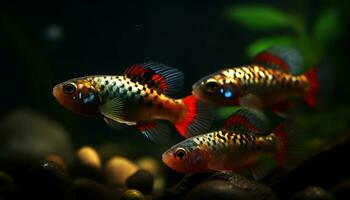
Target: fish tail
pixel 197 118
pixel 311 95
pixel 282 136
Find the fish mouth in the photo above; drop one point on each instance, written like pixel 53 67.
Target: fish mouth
pixel 165 157
pixel 56 91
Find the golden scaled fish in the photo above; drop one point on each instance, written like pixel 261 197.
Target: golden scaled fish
pixel 138 97
pixel 270 81
pixel 238 146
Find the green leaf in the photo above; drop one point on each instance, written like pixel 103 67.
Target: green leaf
pixel 327 27
pixel 260 17
pixel 264 43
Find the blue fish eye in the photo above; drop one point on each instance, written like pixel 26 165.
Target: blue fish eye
pixel 228 94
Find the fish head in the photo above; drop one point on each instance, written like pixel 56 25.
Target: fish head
pixel 186 157
pixel 78 95
pixel 216 89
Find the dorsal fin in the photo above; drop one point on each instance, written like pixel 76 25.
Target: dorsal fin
pixel 162 78
pixel 283 58
pixel 247 121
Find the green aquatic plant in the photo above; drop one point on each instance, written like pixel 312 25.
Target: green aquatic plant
pixel 292 29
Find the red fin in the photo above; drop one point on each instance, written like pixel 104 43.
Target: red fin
pixel 154 131
pixel 271 59
pixel 145 127
pixel 311 96
pixel 160 77
pixel 197 118
pixel 282 58
pixel 240 121
pixel 247 121
pixel 282 135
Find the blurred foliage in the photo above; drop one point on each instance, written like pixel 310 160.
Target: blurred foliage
pixel 260 17
pixel 313 41
pixel 314 37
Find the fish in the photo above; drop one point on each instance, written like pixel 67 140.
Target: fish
pixel 238 146
pixel 270 81
pixel 139 97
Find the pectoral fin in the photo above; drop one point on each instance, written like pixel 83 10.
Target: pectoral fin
pixel 114 110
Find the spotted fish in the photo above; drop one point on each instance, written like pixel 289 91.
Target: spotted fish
pixel 238 146
pixel 270 81
pixel 139 97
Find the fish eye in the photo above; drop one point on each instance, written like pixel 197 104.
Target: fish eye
pixel 69 88
pixel 180 154
pixel 211 85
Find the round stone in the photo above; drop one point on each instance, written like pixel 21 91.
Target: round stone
pixel 142 180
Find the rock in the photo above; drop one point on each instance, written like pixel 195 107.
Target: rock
pixel 159 184
pixel 89 157
pixel 118 169
pixel 87 189
pixel 58 160
pixel 310 173
pixel 108 150
pixel 48 180
pixel 141 180
pixel 342 189
pixel 150 164
pixel 313 193
pixel 188 182
pixel 132 195
pixel 255 189
pixel 88 164
pixel 218 190
pixel 28 137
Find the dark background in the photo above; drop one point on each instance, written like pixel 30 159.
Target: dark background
pixel 107 37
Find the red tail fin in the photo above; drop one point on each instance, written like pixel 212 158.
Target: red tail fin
pixel 311 96
pixel 197 118
pixel 282 135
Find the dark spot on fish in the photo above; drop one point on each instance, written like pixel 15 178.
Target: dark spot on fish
pixel 214 142
pixel 106 82
pixel 138 91
pixel 146 95
pixel 113 83
pixel 107 93
pixel 151 91
pixel 102 87
pixel 221 137
pixel 130 88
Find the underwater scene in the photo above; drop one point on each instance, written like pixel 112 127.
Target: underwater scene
pixel 172 100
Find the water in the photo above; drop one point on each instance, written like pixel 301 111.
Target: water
pixel 44 44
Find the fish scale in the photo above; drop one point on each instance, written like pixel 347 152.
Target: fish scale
pixel 256 77
pixel 222 139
